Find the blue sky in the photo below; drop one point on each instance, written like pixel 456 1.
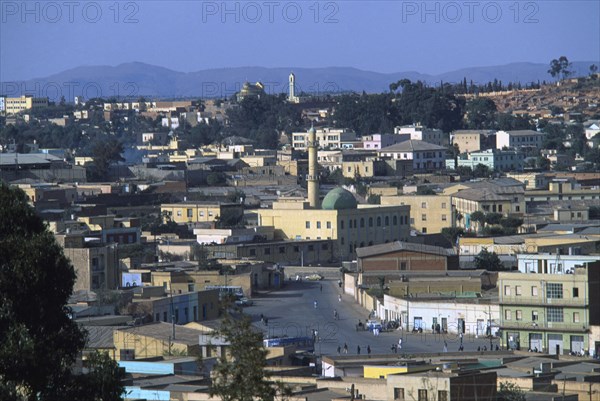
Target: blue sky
pixel 41 38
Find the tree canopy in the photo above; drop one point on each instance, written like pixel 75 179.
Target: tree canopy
pixel 39 341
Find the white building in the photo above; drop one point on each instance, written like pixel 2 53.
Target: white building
pixel 425 156
pixel 327 138
pixel 470 317
pixel 380 141
pixel 419 133
pixel 524 139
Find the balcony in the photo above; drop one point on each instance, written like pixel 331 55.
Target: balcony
pixel 540 301
pixel 582 327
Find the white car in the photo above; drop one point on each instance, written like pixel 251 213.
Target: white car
pixel 313 277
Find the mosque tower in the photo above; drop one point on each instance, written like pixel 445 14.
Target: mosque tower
pixel 292 89
pixel 313 169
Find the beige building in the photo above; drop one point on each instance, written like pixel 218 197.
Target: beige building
pixel 327 138
pixel 195 212
pixel 428 213
pixel 96 264
pixel 14 105
pixel 470 140
pixel 340 218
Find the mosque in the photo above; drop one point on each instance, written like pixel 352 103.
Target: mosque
pixel 338 217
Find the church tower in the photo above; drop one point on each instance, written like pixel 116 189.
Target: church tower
pixel 292 98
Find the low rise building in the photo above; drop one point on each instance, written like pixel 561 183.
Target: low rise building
pixel 429 214
pixel 527 140
pixel 420 133
pixel 425 156
pixel 195 212
pixel 327 138
pixel 494 159
pixel 473 140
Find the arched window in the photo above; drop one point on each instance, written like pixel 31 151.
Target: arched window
pixel 395 220
pixel 362 222
pixel 387 220
pixel 341 224
pixel 378 221
pixel 370 222
pixel 350 223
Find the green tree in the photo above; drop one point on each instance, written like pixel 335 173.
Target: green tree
pixel 482 171
pixel 214 179
pixel 493 218
pixel 560 66
pixel 452 233
pixel 105 153
pixel 510 392
pixel 39 341
pixel 486 260
pixel 478 217
pixel 241 374
pixel 593 69
pixel 481 113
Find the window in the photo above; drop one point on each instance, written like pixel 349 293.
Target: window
pixel 395 220
pixel 378 221
pixel 398 393
pixel 442 395
pixel 507 314
pixel 423 217
pixel 518 291
pixel 318 224
pixel 402 265
pixel 423 205
pixel 554 290
pixel 422 395
pixel 311 248
pixel 370 222
pixel 575 292
pixel 507 290
pixel 252 252
pixel 201 214
pixel 282 249
pixel 324 247
pixel 519 315
pixel 443 217
pixel 328 224
pixel 267 251
pixel 308 224
pixel 296 249
pixel 443 205
pixel 575 317
pixel 341 224
pixel 534 292
pixel 534 316
pixel 499 208
pixel 555 314
pixel 190 213
pixel 179 213
pixel 210 213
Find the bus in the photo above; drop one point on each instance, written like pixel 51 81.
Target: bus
pixel 227 290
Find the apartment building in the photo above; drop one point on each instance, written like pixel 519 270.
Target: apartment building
pixel 526 140
pixel 429 214
pixel 14 105
pixel 473 140
pixel 327 138
pixel 563 189
pixel 548 306
pixel 425 156
pixel 196 212
pixel 494 159
pixel 380 141
pixel 419 133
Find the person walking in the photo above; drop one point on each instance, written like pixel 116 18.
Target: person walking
pixel 445 347
pixel 339 298
pixel 339 350
pixel 394 349
pixel 345 348
pixel 315 303
pixel 358 349
pixel 321 287
pixel 400 343
pixel 369 349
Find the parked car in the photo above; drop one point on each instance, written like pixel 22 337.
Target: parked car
pixel 244 302
pixel 313 277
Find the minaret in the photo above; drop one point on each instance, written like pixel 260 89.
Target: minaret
pixel 313 169
pixel 292 84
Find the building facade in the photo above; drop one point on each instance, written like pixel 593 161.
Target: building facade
pixel 548 308
pixel 425 156
pixel 327 138
pixel 429 214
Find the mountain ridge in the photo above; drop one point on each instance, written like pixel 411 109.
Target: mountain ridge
pixel 134 79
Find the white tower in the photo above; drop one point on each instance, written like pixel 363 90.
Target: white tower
pixel 292 98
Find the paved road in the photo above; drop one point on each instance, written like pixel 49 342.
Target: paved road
pixel 291 312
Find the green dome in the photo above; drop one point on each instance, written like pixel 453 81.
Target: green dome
pixel 338 199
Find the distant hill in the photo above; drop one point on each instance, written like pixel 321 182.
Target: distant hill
pixel 139 79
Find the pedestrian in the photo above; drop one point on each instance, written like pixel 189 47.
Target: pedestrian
pixel 497 347
pixel 339 298
pixel 369 349
pixel 266 321
pixel 394 349
pixel 485 347
pixel 400 343
pixel 321 287
pixel 445 346
pixel 478 349
pixel 345 348
pixel 339 350
pixel 358 349
pixel 315 303
pixel 340 283
pixel 335 314
pixel 262 318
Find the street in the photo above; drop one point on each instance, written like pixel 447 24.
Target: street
pixel 291 312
